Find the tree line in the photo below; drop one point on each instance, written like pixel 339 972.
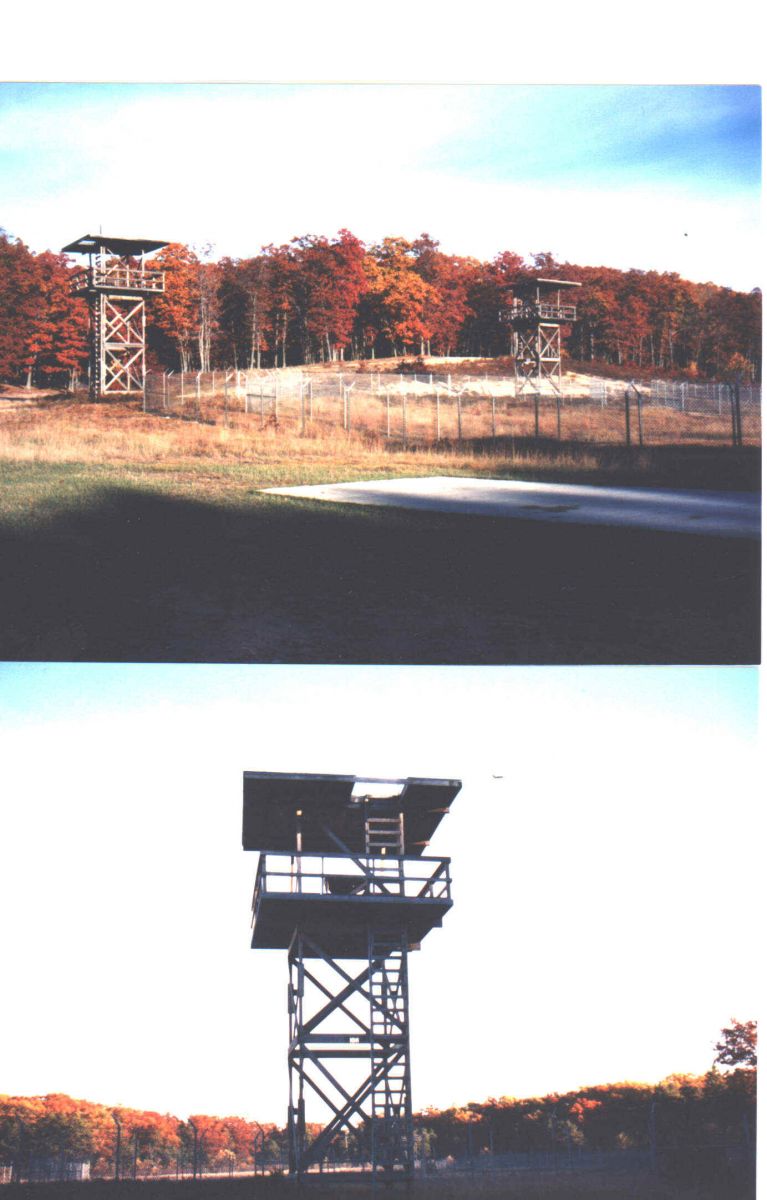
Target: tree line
pixel 44 1128
pixel 318 299
pixel 683 1111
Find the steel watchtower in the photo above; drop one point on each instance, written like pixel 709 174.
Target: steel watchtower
pixel 343 880
pixel 537 314
pixel 115 284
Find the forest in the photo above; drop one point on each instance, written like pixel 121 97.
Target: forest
pixel 318 299
pixel 683 1112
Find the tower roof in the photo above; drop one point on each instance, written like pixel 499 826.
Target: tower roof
pixel 90 243
pixel 276 804
pixel 548 285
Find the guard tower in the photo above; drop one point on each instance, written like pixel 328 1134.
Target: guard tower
pixel 537 314
pixel 115 285
pixel 344 886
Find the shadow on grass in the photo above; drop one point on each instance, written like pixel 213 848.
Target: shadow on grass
pixel 133 575
pixel 500 1186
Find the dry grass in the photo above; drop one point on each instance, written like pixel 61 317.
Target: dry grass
pixel 122 437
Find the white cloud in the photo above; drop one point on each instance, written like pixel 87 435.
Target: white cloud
pixel 239 168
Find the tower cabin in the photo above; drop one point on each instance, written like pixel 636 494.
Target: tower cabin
pixel 537 314
pixel 343 875
pixel 541 300
pixel 115 283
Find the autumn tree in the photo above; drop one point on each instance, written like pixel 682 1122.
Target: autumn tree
pixel 59 346
pixel 446 307
pixel 175 313
pixel 282 268
pixel 244 307
pixel 398 295
pixel 737 1045
pixel 43 328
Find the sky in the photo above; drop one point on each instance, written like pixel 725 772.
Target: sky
pixel 661 177
pixel 604 887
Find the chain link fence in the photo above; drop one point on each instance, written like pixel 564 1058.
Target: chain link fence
pixel 428 409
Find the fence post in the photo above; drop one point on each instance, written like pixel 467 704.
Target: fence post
pixel 733 418
pixel 559 417
pixel 738 424
pixel 439 434
pixel 492 409
pixel 226 399
pixel 118 1128
pixel 303 387
pixel 640 433
pixel 627 399
pixel 404 420
pixel 537 415
pixel 459 415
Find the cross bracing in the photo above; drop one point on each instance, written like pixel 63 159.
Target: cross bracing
pixel 350 1048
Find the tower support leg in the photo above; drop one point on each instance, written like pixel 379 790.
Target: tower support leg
pixel 350 1049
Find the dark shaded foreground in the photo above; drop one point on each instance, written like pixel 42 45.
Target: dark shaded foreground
pixel 534 1186
pixel 135 576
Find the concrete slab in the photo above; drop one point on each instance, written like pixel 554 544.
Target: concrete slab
pixel 719 514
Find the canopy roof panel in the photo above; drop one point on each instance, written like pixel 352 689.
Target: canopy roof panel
pixel 545 284
pixel 92 243
pixel 277 805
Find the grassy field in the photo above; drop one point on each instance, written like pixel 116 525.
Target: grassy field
pixel 130 537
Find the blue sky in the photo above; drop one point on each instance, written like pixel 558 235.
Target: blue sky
pixel 604 855
pixel 655 177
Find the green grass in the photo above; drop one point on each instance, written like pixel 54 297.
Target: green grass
pixel 194 563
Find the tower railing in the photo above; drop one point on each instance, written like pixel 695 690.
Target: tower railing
pixel 542 311
pixel 339 875
pixel 119 277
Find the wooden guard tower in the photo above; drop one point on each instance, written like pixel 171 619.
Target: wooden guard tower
pixel 342 878
pixel 115 285
pixel 537 314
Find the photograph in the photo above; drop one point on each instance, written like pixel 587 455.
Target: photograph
pixel 488 929
pixel 490 397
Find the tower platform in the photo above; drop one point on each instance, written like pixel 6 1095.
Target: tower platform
pixel 339 900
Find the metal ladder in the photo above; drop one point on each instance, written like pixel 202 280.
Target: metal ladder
pixel 391 1117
